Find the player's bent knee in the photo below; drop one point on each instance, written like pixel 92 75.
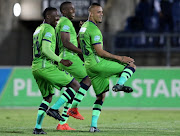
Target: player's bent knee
pixel 75 85
pixel 48 98
pixel 101 96
pixel 87 81
pixel 132 65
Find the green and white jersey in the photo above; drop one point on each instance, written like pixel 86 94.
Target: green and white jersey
pixel 65 25
pixel 90 35
pixel 43 32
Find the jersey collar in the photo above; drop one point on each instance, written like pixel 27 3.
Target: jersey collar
pixel 92 22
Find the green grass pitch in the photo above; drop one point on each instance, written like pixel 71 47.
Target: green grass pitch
pixel 20 122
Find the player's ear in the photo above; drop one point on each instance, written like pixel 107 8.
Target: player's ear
pixel 90 14
pixel 64 11
pixel 48 16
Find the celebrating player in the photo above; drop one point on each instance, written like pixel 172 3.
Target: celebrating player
pixel 100 64
pixel 68 50
pixel 46 74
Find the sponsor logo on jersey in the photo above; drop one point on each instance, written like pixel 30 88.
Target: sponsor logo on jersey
pixel 97 38
pixel 65 27
pixel 37 31
pixel 83 29
pixel 48 35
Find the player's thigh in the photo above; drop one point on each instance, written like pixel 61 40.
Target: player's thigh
pixel 45 87
pixel 77 69
pixel 108 68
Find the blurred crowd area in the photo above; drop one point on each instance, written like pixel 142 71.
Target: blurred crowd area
pixel 155 24
pixel 141 29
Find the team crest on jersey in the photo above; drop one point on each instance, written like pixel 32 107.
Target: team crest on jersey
pixel 48 34
pixel 97 38
pixel 65 27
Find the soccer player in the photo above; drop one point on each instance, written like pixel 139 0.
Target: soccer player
pixel 100 64
pixel 46 74
pixel 68 50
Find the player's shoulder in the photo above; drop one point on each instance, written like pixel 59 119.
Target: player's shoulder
pixel 64 21
pixel 48 28
pixel 37 31
pixel 90 27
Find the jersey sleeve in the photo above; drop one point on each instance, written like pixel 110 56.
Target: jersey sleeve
pixel 48 34
pixel 66 26
pixel 96 37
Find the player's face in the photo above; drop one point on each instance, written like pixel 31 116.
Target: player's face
pixel 54 18
pixel 70 11
pixel 97 14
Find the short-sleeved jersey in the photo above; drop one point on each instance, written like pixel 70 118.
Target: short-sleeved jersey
pixel 65 25
pixel 43 32
pixel 90 35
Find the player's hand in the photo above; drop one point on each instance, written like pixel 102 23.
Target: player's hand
pixel 66 63
pixel 127 60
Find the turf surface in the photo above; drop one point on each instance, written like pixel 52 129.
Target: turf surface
pixel 20 122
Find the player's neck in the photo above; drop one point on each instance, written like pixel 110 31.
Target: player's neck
pixel 47 22
pixel 67 17
pixel 92 20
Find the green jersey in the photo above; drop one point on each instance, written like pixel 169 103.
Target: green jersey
pixel 65 25
pixel 90 35
pixel 43 32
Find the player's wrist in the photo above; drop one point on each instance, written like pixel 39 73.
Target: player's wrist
pixel 122 58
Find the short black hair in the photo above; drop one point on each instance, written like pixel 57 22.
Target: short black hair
pixel 49 9
pixel 93 5
pixel 63 4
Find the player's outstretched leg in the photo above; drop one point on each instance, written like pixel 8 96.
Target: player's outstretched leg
pixel 126 89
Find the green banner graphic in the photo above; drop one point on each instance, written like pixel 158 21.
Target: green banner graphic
pixel 153 88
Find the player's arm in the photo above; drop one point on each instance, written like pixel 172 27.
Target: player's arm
pixel 46 49
pixel 103 53
pixel 65 37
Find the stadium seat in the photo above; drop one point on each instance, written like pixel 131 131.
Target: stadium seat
pixel 176 15
pixel 151 23
pixel 122 41
pixel 139 41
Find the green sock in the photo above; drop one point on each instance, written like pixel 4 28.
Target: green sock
pixel 41 114
pixel 64 113
pixel 126 74
pixel 78 97
pixel 96 112
pixel 68 95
